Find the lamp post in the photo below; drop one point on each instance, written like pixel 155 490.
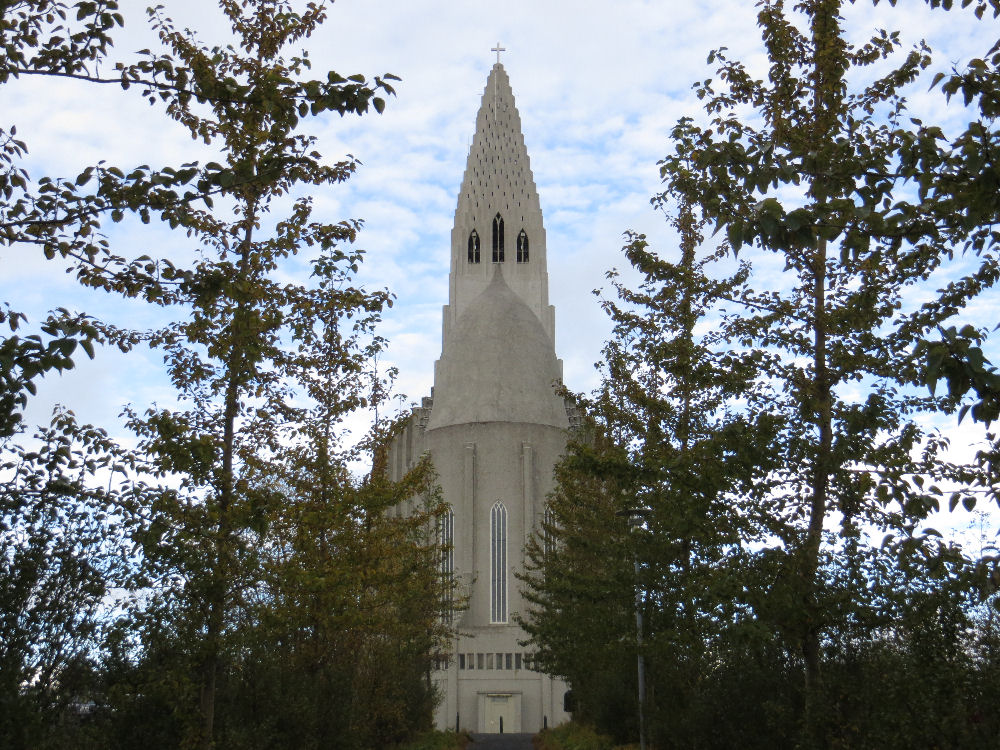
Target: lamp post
pixel 635 517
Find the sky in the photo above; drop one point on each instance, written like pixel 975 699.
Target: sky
pixel 598 86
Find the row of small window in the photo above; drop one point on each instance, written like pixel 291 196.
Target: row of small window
pixel 498 244
pixel 496 661
pixel 488 661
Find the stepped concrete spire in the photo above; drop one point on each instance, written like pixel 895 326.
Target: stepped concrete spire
pixel 498 361
pixel 498 220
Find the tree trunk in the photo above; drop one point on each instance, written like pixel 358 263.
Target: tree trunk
pixel 222 574
pixel 820 486
pixel 827 74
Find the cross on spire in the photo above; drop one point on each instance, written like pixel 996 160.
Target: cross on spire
pixel 498 49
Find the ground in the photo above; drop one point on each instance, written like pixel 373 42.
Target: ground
pixel 501 742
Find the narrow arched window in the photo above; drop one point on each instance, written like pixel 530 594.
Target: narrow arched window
pixel 497 239
pixel 446 540
pixel 548 542
pixel 498 563
pixel 522 247
pixel 474 247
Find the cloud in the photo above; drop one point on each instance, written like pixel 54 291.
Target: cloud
pixel 598 85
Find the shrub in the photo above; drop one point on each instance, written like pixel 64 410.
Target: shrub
pixel 572 736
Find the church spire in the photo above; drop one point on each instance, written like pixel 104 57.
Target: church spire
pixel 498 220
pixel 494 427
pixel 498 172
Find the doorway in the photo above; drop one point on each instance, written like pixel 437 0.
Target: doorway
pixel 501 713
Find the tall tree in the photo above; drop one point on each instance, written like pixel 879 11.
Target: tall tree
pixel 579 584
pixel 814 179
pixel 248 470
pixel 668 440
pixel 349 615
pixel 236 358
pixel 350 611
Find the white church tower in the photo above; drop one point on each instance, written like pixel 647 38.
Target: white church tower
pixel 494 426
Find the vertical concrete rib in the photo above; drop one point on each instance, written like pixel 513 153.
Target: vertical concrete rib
pixel 469 494
pixel 528 490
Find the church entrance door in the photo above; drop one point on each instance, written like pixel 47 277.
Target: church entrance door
pixel 502 713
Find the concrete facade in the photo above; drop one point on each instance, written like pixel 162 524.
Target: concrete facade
pixel 494 426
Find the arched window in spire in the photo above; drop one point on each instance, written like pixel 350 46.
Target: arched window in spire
pixel 498 563
pixel 522 247
pixel 498 238
pixel 474 246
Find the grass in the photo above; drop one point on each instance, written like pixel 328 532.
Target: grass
pixel 572 736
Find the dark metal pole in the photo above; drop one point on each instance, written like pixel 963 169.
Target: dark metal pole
pixel 635 517
pixel 641 660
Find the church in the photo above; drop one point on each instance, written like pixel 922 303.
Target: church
pixel 494 427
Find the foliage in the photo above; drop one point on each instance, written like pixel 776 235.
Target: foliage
pixel 64 216
pixel 349 617
pixel 267 574
pixel 817 183
pixel 24 359
pixel 251 342
pixel 665 439
pixel 579 582
pixel 767 432
pixel 572 736
pixel 346 614
pixel 959 360
pixel 958 180
pixel 61 566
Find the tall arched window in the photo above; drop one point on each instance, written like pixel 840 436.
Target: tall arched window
pixel 446 540
pixel 522 247
pixel 498 239
pixel 474 247
pixel 498 563
pixel 548 542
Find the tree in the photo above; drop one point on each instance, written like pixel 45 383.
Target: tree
pixel 579 585
pixel 235 361
pixel 62 565
pixel 819 180
pixel 251 524
pixel 37 39
pixel 668 440
pixel 349 608
pixel 59 215
pixel 63 216
pixel 957 180
pixel 349 615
